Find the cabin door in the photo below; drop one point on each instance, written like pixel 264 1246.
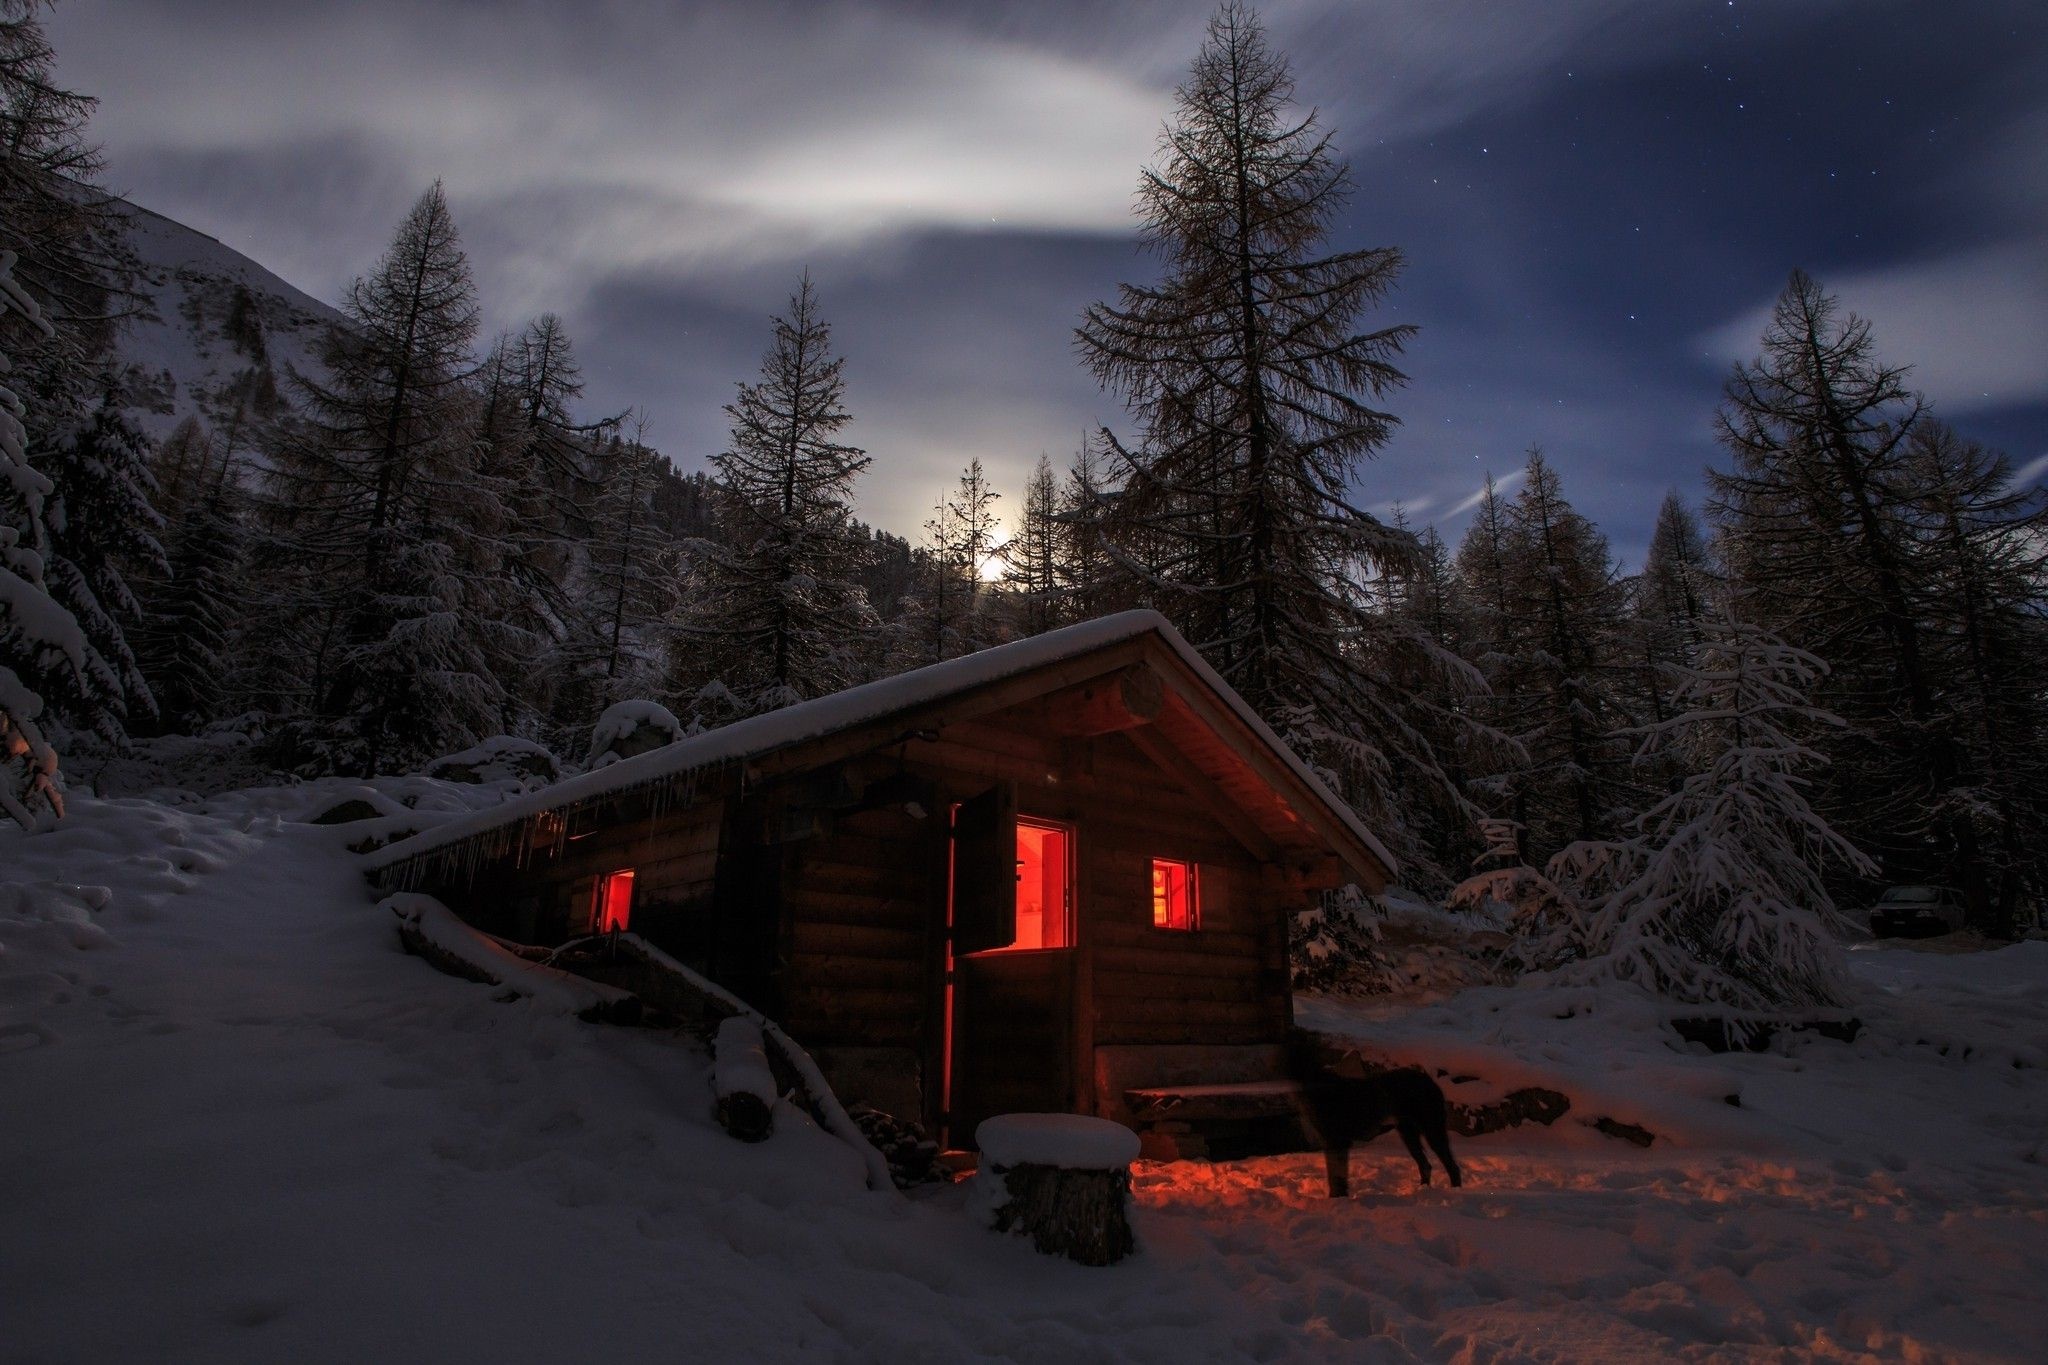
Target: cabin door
pixel 1011 1007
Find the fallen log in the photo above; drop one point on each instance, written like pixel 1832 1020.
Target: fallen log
pixel 741 1081
pixel 433 933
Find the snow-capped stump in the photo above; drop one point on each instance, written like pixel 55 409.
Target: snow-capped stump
pixel 628 729
pixel 742 1080
pixel 1062 1179
pixel 501 758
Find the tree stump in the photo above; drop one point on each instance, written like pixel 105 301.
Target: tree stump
pixel 1063 1180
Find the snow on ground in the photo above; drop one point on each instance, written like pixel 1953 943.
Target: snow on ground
pixel 242 1125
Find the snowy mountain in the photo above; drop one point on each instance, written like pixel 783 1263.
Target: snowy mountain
pixel 217 333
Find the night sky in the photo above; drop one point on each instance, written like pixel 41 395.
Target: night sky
pixel 1597 199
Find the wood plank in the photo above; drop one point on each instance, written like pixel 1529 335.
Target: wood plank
pixel 818 971
pixel 1243 989
pixel 857 941
pixel 1166 961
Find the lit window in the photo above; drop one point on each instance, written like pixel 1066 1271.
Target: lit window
pixel 614 901
pixel 1044 882
pixel 1176 900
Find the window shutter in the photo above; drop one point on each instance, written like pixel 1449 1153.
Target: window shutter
pixel 985 871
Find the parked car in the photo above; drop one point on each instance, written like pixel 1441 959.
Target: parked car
pixel 1918 911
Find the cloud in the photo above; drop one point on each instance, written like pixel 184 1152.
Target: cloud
pixel 2030 473
pixel 740 129
pixel 1478 495
pixel 1973 326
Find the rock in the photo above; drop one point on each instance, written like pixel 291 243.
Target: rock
pixel 1627 1132
pixel 1533 1104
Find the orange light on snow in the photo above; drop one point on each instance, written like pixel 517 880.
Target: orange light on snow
pixel 615 901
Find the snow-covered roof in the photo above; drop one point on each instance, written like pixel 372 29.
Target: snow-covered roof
pixel 759 735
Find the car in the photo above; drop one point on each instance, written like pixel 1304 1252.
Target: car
pixel 1918 911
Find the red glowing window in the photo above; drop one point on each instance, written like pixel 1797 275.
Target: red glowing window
pixel 614 901
pixel 1176 899
pixel 1045 899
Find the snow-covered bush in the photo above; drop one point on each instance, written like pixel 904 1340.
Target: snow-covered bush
pixel 501 758
pixel 629 728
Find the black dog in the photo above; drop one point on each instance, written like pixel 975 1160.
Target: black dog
pixel 1350 1109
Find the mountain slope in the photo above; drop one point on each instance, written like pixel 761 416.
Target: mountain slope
pixel 218 334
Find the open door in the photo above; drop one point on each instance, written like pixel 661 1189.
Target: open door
pixel 985 871
pixel 1010 1003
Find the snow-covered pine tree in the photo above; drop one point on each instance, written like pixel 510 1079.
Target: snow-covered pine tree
pixel 1813 514
pixel 368 502
pixel 72 261
pixel 183 642
pixel 1254 390
pixel 1031 558
pixel 103 531
pixel 778 611
pixel 1720 896
pixel 39 640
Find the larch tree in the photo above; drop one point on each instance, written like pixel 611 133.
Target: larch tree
pixel 1085 569
pixel 1255 394
pixel 1814 510
pixel 1031 558
pixel 1666 603
pixel 1981 549
pixel 1564 600
pixel 372 501
pixel 776 611
pixel 613 652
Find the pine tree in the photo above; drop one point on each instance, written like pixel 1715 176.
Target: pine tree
pixel 1719 898
pixel 40 642
pixel 1254 393
pixel 777 609
pixel 184 642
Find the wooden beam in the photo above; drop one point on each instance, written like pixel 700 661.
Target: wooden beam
pixel 1302 803
pixel 1122 701
pixel 1203 787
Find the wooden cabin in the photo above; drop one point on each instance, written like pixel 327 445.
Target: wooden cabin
pixel 1032 879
